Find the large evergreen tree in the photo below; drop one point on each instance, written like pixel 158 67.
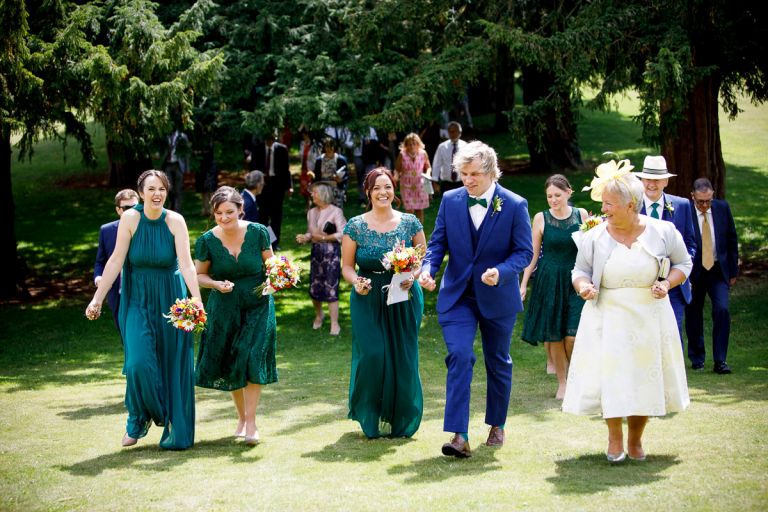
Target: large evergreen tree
pixel 39 92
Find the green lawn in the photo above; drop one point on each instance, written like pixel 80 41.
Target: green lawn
pixel 61 391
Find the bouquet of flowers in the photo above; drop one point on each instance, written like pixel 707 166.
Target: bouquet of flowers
pixel 281 275
pixel 403 262
pixel 187 315
pixel 402 259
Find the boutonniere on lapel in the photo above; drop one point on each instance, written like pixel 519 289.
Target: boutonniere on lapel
pixel 668 206
pixel 497 203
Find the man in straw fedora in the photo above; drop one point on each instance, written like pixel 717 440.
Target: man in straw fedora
pixel 659 205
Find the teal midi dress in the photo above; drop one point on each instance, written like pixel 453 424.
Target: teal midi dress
pixel 159 360
pixel 239 344
pixel 385 394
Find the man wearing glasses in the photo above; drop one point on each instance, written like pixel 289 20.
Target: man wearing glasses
pixel 715 267
pixel 124 200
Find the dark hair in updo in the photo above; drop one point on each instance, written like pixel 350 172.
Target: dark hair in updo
pixel 226 194
pixel 559 181
pixel 370 182
pixel 157 174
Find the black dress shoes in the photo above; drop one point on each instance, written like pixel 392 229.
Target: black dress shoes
pixel 722 368
pixel 697 367
pixel 458 447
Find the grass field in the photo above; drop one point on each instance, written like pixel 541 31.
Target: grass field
pixel 61 391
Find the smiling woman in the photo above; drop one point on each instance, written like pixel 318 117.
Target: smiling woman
pixel 153 251
pixel 385 394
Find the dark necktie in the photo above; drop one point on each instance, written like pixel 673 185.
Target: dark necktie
pixel 267 167
pixel 454 174
pixel 655 212
pixel 472 201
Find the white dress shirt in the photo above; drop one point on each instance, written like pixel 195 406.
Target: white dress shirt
pixel 443 161
pixel 477 212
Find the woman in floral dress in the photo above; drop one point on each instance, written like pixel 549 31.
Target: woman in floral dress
pixel 412 164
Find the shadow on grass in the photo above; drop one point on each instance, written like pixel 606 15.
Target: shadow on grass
pixel 590 474
pixel 354 446
pixel 439 468
pixel 89 411
pixel 151 458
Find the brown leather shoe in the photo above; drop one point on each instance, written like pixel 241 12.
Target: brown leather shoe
pixel 458 447
pixel 495 437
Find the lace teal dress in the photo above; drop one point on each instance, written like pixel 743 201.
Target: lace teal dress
pixel 158 367
pixel 554 307
pixel 239 344
pixel 384 387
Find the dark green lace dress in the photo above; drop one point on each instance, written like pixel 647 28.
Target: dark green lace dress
pixel 159 359
pixel 384 387
pixel 238 346
pixel 554 307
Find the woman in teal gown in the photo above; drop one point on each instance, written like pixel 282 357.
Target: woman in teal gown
pixel 385 394
pixel 152 250
pixel 237 350
pixel 554 308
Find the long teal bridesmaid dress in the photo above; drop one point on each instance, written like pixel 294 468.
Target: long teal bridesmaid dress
pixel 385 394
pixel 159 359
pixel 240 341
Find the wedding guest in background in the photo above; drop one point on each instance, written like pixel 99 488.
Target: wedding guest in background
pixel 715 268
pixel 124 201
pixel 443 169
pixel 411 165
pixel 385 394
pixel 153 243
pixel 278 183
pixel 325 225
pixel 486 231
pixel 254 184
pixel 176 165
pixel 677 210
pixel 331 168
pixel 626 360
pixel 237 349
pixel 308 152
pixel 554 307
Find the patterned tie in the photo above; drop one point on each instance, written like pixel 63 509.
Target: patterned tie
pixel 707 252
pixel 471 201
pixel 454 174
pixel 655 212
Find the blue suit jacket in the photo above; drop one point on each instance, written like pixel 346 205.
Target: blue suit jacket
pixel 726 241
pixel 505 243
pixel 107 241
pixel 250 208
pixel 680 216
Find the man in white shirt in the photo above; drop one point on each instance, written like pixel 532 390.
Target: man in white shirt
pixel 443 170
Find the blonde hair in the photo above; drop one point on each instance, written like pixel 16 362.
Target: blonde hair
pixel 412 137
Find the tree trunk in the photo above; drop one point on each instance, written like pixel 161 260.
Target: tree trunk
pixel 505 88
pixel 11 278
pixel 552 146
pixel 124 166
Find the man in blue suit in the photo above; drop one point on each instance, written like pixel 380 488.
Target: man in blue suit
pixel 715 268
pixel 677 210
pixel 487 232
pixel 124 200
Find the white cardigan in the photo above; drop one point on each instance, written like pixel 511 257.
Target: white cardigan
pixel 660 239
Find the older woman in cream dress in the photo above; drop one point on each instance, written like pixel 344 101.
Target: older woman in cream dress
pixel 627 360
